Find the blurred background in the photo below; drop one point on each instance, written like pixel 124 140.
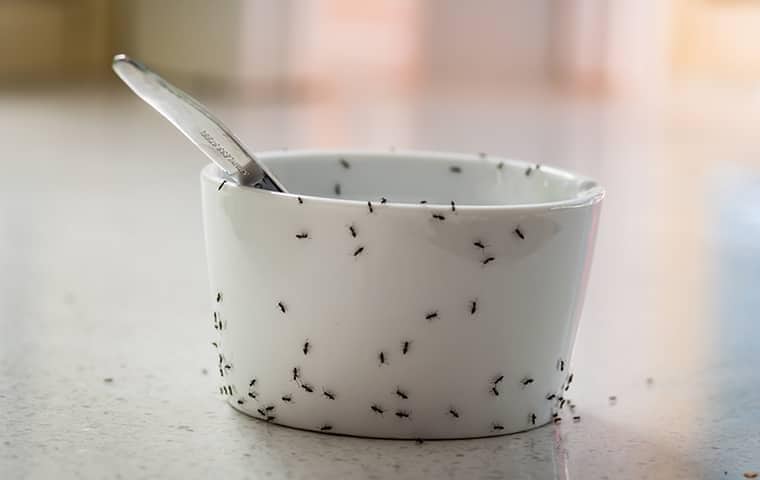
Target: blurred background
pixel 313 48
pixel 100 232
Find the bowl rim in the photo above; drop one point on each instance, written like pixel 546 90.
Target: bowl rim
pixel 592 195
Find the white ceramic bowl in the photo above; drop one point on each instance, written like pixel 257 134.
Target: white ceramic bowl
pixel 342 312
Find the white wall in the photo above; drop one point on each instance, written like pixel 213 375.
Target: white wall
pixel 486 41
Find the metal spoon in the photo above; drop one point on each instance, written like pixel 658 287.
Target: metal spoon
pixel 191 118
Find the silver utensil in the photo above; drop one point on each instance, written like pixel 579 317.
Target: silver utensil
pixel 196 123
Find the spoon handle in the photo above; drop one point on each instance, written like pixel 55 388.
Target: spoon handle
pixel 196 123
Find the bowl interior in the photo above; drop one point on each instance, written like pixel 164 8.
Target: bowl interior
pixel 414 177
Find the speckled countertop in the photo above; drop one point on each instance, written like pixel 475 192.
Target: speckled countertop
pixel 106 367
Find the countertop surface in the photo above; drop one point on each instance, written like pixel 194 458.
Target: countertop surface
pixel 106 365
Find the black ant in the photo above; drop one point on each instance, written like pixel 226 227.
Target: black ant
pixel 325 428
pixel 377 409
pixel 261 412
pixel 307 387
pixel 358 251
pixel 526 381
pixel 329 395
pixel 270 418
pixel 306 348
pixel 402 394
pixel 528 171
pixel 479 244
pixel 423 202
pixel 303 235
pixel 439 217
pixel 496 426
pixel 402 414
pixel 269 408
pixel 562 403
pixel 352 230
pixel 344 163
pixel 453 413
pixel 337 189
pixel 532 418
pixel 369 206
pixel 498 379
pixel 218 297
pixel 282 306
pixel 405 347
pixel 300 200
pixel 431 315
pixel 287 398
pixel 495 391
pixel 576 418
pixel 240 401
pixel 519 233
pixel 253 395
pixel 228 367
pixel 455 169
pixel 221 185
pixel 381 356
pixel 488 260
pixel 473 307
pixel 551 396
pixel 216 345
pixel 253 382
pixel 383 200
pixel 558 420
pixel 453 206
pixel 570 378
pixel 296 374
pixel 218 325
pixel 561 365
